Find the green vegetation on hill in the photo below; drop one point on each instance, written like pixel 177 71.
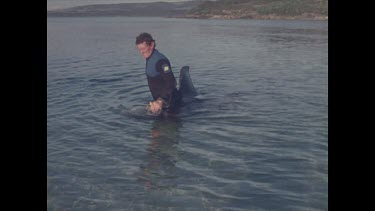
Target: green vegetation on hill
pixel 261 9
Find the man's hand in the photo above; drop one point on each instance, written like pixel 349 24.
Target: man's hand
pixel 156 106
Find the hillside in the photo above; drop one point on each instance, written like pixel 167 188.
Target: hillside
pixel 155 9
pixel 220 9
pixel 261 9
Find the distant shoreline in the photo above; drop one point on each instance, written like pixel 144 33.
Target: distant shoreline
pixel 268 17
pixel 200 18
pixel 220 10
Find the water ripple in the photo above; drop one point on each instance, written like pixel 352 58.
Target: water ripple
pixel 255 138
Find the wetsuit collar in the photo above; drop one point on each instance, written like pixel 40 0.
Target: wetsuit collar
pixel 151 54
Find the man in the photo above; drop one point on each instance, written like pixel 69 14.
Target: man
pixel 161 81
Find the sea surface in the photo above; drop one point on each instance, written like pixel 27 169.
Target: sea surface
pixel 255 138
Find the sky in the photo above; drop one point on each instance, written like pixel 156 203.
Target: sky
pixel 58 4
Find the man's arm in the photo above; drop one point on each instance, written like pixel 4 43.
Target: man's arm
pixel 164 67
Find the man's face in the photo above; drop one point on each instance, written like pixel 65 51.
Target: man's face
pixel 145 50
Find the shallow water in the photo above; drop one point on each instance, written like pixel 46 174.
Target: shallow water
pixel 254 139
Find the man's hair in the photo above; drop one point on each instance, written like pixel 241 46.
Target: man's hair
pixel 145 37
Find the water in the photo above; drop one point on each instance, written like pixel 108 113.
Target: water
pixel 255 139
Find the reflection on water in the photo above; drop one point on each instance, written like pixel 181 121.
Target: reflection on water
pixel 158 171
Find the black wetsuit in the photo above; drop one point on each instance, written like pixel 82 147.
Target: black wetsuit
pixel 161 81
